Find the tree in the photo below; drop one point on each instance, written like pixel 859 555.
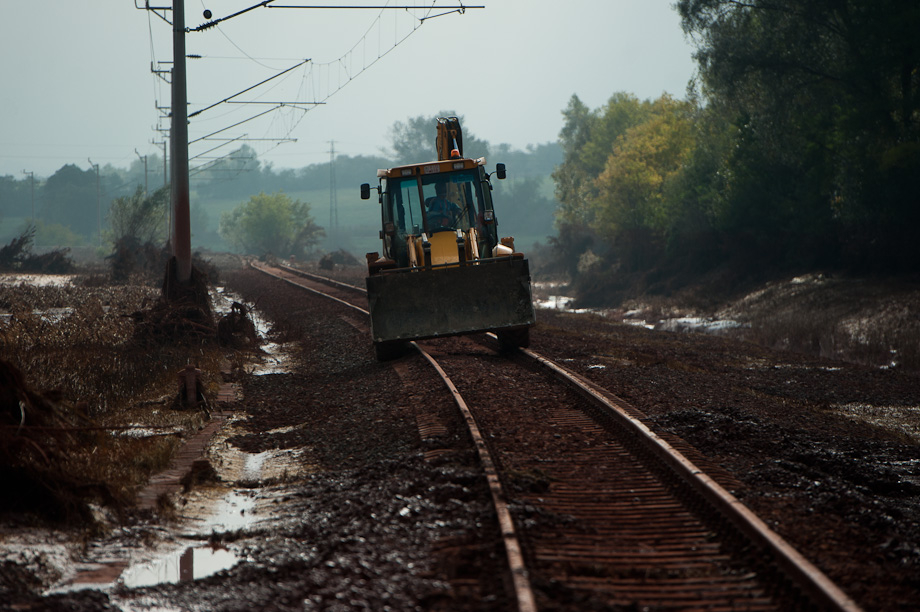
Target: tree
pixel 414 139
pixel 826 98
pixel 71 199
pixel 631 205
pixel 573 179
pixel 55 235
pixel 15 197
pixel 273 224
pixel 524 208
pixel 139 219
pixel 588 138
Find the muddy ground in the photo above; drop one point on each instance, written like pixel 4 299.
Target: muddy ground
pixel 352 516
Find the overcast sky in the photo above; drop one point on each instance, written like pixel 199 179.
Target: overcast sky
pixel 77 85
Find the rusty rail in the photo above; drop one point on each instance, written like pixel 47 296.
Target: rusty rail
pixel 820 590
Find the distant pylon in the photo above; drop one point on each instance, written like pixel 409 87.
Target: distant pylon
pixel 333 196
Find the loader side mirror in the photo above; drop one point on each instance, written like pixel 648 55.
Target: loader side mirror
pixel 500 171
pixel 365 191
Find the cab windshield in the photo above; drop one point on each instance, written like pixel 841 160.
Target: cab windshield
pixel 436 202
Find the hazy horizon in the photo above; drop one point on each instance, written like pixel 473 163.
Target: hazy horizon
pixel 81 88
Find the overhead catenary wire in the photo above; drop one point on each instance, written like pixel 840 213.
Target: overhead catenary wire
pixel 318 82
pixel 198 112
pixel 309 84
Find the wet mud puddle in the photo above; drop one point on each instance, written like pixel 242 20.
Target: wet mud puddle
pixel 183 550
pixel 159 554
pixel 276 358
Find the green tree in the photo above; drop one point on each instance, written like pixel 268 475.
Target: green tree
pixel 71 199
pixel 573 180
pixel 273 224
pixel 525 207
pixel 15 196
pixel 644 160
pixel 632 207
pixel 588 138
pixel 414 139
pixel 825 95
pixel 55 235
pixel 139 219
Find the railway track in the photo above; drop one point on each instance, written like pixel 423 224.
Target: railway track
pixel 595 508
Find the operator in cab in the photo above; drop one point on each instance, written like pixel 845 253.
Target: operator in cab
pixel 442 213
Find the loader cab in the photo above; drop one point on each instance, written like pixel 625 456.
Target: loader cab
pixel 433 198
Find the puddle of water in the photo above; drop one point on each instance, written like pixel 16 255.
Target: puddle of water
pixel 138 431
pixel 632 317
pixel 232 513
pixel 712 326
pixel 252 466
pixel 278 358
pixel 181 566
pixel 639 323
pixel 555 302
pixel 38 280
pixel 904 419
pixel 52 315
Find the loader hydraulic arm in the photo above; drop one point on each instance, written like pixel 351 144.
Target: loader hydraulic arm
pixel 449 141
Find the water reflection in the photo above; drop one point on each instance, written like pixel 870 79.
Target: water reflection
pixel 181 566
pixel 276 358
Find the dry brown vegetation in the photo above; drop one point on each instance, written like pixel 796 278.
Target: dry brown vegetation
pixel 870 321
pixel 88 411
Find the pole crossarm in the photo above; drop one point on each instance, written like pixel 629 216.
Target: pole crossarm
pixel 268 4
pixel 214 22
pixel 460 9
pixel 154 10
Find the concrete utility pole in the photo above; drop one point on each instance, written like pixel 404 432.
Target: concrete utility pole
pixel 181 232
pixel 165 144
pixel 143 159
pixel 98 201
pixel 32 186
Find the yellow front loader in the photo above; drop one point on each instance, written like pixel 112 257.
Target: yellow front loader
pixel 444 271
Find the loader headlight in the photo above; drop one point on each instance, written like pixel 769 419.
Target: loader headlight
pixel 488 216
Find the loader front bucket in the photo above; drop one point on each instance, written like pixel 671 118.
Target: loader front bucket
pixel 490 295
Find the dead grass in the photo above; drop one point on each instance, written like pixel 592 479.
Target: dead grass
pixel 102 408
pixel 872 322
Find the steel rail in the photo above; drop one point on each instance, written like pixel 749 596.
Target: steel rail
pixel 267 270
pixel 519 574
pixel 820 589
pixel 526 602
pixel 801 571
pixel 322 279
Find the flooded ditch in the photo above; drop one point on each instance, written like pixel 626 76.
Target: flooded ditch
pixel 231 502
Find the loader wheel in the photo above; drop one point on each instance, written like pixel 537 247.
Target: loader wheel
pixel 514 338
pixel 387 351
